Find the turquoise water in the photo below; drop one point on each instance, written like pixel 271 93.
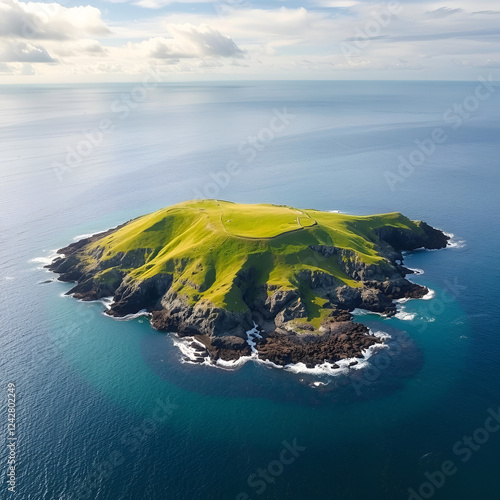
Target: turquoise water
pixel 106 409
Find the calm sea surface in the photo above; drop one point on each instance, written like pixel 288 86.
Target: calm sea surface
pixel 105 408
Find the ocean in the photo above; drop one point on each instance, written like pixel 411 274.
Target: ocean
pixel 107 410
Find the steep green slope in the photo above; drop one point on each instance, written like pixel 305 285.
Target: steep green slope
pixel 211 266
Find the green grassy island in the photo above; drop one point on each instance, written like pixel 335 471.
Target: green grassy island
pixel 213 269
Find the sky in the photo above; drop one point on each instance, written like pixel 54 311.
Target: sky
pixel 193 40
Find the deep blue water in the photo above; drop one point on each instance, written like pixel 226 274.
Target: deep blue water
pixel 88 386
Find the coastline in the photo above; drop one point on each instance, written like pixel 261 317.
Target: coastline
pixel 283 333
pixel 190 355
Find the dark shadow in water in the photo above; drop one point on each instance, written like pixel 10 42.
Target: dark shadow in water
pixel 387 372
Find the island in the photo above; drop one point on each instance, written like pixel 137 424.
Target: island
pixel 271 281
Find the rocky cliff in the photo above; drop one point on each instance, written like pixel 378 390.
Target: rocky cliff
pixel 202 270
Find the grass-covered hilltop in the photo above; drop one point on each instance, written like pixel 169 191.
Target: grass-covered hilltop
pixel 211 269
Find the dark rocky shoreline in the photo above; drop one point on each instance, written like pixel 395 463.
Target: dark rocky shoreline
pixel 223 332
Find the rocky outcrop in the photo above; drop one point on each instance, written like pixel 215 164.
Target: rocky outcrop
pixel 132 296
pixel 227 348
pixel 401 239
pixel 352 265
pixel 340 340
pixel 281 299
pixel 175 314
pixel 288 332
pixel 398 288
pixel 89 288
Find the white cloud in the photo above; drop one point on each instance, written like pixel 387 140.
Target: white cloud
pixel 158 4
pixel 188 41
pixel 28 70
pixel 5 68
pixel 78 48
pixel 336 4
pixel 24 52
pixel 49 21
pixel 443 12
pixel 425 37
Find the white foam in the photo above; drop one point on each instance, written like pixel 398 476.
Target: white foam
pixel 235 363
pixel 89 235
pixel 405 316
pixel 251 336
pixel 107 302
pixel 380 335
pixel 402 314
pixel 47 260
pixel 84 236
pixel 416 271
pixel 454 242
pixel 403 300
pixel 323 369
pixel 341 367
pixel 318 384
pixel 363 312
pixel 428 296
pixel 359 312
pixel 189 355
pixel 128 317
pixel 9 278
pixel 188 352
pixel 41 260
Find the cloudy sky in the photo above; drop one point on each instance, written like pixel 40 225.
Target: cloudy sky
pixel 122 40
